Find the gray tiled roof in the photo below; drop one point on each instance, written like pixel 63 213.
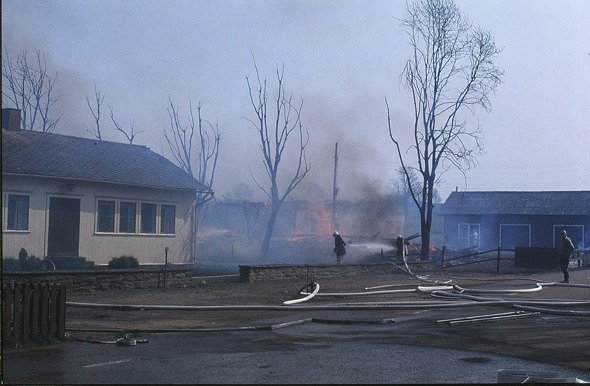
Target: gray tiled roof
pixel 53 155
pixel 572 203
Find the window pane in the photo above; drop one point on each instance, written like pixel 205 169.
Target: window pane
pixel 106 216
pixel 127 217
pixel 18 212
pixel 463 236
pixel 148 218
pixel 463 229
pixel 168 219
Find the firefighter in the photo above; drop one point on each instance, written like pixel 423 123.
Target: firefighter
pixel 566 247
pixel 401 245
pixel 339 247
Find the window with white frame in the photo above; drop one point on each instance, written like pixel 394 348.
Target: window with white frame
pixel 148 218
pixel 468 235
pixel 18 212
pixel 574 232
pixel 114 216
pixel 167 219
pixel 106 216
pixel 127 217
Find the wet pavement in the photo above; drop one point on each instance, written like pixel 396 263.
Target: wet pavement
pixel 340 351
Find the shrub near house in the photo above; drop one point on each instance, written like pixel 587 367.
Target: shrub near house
pixel 123 262
pixel 23 263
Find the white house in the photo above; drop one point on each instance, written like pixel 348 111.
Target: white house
pixel 65 196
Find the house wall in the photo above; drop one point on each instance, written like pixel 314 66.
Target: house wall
pixel 100 248
pixel 542 229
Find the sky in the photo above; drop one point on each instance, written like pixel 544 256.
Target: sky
pixel 342 58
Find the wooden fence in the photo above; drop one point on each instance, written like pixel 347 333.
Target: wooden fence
pixel 33 311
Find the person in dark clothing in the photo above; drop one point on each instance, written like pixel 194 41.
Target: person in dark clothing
pixel 339 247
pixel 399 244
pixel 402 247
pixel 566 247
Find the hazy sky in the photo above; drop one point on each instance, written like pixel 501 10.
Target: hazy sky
pixel 342 57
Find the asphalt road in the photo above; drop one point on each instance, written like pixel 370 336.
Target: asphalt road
pixel 358 350
pixel 308 353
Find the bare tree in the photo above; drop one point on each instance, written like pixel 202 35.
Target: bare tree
pixel 405 180
pixel 29 87
pixel 180 143
pixel 450 73
pixel 275 134
pixel 98 99
pixel 129 134
pixel 402 185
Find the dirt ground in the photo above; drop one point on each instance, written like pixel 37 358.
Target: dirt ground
pixel 558 334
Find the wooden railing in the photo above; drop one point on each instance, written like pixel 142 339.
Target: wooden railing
pixel 474 258
pixel 498 256
pixel 33 311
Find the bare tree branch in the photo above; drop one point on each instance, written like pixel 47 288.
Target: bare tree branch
pixel 180 142
pixel 98 100
pixel 28 86
pixel 451 72
pixel 131 134
pixel 275 139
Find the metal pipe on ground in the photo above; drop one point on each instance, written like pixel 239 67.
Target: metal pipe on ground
pixel 477 317
pixel 494 318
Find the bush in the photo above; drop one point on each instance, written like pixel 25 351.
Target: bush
pixel 34 264
pixel 123 262
pixel 23 263
pixel 10 264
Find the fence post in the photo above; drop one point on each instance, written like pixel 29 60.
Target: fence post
pixel 53 310
pixel 44 308
pixel 18 312
pixel 36 305
pixel 7 311
pixel 61 311
pixel 498 262
pixel 26 311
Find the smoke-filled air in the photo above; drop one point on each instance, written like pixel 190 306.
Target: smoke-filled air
pixel 342 65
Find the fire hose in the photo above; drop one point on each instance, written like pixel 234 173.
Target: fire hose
pixel 125 341
pixel 461 298
pixel 316 288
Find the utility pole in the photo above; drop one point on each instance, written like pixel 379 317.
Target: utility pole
pixel 335 187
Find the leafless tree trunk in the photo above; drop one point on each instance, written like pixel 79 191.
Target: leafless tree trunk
pixel 129 134
pixel 451 72
pixel 275 134
pixel 98 99
pixel 180 142
pixel 29 87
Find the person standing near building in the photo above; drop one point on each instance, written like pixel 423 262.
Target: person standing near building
pixel 339 247
pixel 566 247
